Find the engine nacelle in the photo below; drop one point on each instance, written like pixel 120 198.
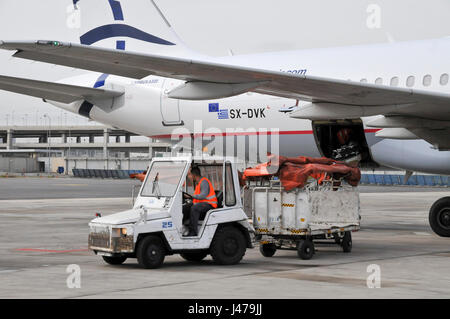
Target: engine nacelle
pixel 412 155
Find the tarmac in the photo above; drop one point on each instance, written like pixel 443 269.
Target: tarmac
pixel 44 234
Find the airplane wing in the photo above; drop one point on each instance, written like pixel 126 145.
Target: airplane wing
pixel 367 99
pixel 63 93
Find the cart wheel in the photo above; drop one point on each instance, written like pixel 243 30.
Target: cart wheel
pixel 267 250
pixel 337 239
pixel 305 249
pixel 347 242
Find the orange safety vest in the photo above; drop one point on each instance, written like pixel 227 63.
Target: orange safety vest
pixel 210 198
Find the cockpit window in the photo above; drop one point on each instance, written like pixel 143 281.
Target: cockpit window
pixel 163 179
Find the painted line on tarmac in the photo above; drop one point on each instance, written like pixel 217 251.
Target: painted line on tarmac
pixel 8 271
pixel 51 250
pixel 62 200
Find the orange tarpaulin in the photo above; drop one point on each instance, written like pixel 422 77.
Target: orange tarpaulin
pixel 140 176
pixel 294 171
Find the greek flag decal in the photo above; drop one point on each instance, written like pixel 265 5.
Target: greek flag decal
pixel 223 114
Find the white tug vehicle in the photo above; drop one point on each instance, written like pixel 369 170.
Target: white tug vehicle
pixel 154 228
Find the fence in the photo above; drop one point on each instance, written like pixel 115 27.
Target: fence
pixel 104 173
pixel 414 180
pixel 366 179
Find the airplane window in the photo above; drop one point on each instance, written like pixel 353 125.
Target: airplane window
pixel 427 80
pixel 363 81
pixel 444 79
pixel 394 81
pixel 379 81
pixel 410 81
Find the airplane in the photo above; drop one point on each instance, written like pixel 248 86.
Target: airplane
pixel 392 99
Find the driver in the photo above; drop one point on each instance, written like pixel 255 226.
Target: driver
pixel 204 199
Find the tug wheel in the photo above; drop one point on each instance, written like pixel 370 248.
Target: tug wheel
pixel 151 252
pixel 228 246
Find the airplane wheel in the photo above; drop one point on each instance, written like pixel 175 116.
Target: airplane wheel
pixel 151 252
pixel 267 250
pixel 439 217
pixel 228 246
pixel 347 242
pixel 114 260
pixel 305 249
pixel 194 256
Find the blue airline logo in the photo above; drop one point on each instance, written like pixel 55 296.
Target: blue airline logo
pixel 116 9
pixel 118 30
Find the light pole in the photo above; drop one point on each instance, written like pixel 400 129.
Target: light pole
pixel 68 154
pixel 48 140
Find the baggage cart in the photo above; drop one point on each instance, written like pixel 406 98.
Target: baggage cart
pixel 297 219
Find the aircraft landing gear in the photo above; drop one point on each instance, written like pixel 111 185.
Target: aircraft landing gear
pixel 439 217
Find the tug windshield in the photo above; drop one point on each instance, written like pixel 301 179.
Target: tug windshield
pixel 163 179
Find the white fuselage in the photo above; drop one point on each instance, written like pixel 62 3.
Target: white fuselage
pixel 145 108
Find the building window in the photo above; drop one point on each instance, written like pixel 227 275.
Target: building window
pixel 427 80
pixel 394 81
pixel 379 81
pixel 410 81
pixel 444 79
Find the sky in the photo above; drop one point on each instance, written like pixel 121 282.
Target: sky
pixel 214 27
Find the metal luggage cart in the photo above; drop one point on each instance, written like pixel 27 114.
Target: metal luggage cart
pixel 296 219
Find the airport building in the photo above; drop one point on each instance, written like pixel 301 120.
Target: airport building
pixel 37 149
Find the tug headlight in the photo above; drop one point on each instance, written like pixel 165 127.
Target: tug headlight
pixel 119 232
